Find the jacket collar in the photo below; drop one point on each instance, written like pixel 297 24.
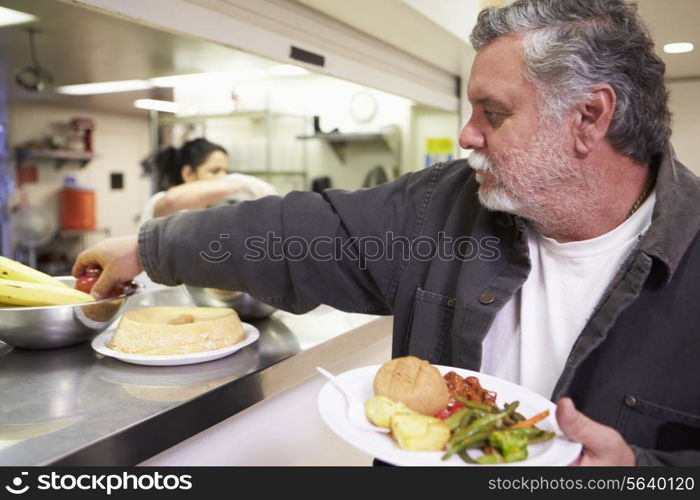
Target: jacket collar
pixel 676 217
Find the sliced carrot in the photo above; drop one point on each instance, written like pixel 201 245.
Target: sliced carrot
pixel 530 421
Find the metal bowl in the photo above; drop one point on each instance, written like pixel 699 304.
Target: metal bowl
pixel 247 306
pixel 48 327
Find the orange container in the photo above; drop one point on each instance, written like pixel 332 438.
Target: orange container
pixel 78 209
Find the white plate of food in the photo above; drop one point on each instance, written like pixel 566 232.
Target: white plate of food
pixel 99 343
pixel 333 410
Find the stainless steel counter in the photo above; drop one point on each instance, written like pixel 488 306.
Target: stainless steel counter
pixel 73 406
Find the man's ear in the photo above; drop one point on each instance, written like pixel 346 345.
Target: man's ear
pixel 592 119
pixel 188 174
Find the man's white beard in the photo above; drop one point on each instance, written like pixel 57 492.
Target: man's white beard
pixel 535 183
pixel 495 198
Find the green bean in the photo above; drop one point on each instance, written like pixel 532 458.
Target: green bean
pixel 518 417
pixel 477 406
pixel 478 440
pixel 543 436
pixel 475 441
pixel 455 420
pixel 465 456
pixel 514 418
pixel 470 416
pixel 525 431
pixel 490 458
pixel 479 425
pixel 509 420
pixel 473 425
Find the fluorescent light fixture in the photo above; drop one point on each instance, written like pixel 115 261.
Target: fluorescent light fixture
pixel 8 17
pixel 104 87
pixel 157 105
pixel 211 78
pixel 678 48
pixel 286 70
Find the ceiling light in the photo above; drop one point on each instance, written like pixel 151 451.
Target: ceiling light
pixel 190 79
pixel 157 105
pixel 9 17
pixel 678 48
pixel 286 70
pixel 213 78
pixel 104 87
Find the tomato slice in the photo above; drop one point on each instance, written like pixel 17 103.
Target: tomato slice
pixel 450 410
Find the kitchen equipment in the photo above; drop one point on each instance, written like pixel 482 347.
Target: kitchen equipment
pixel 356 410
pixel 48 327
pixel 34 227
pixel 375 177
pixel 77 206
pixel 247 306
pixel 33 78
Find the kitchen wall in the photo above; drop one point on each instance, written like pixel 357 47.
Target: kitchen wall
pixel 685 106
pixel 120 142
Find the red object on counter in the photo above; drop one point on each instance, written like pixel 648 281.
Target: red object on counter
pixel 85 282
pixel 78 209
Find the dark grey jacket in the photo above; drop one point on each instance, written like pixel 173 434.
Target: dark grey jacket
pixel 448 266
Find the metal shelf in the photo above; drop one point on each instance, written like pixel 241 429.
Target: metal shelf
pixel 391 138
pixel 59 157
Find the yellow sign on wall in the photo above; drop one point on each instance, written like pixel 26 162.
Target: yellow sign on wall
pixel 438 149
pixel 439 146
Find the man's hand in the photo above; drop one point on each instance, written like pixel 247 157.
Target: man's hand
pixel 602 445
pixel 118 258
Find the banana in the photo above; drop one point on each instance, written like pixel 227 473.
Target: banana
pixel 22 293
pixel 13 270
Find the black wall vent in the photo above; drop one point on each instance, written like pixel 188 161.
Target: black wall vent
pixel 306 56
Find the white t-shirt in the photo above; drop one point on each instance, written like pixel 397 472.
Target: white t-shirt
pixel 532 336
pixel 257 186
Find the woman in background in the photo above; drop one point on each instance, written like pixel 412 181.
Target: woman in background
pixel 196 176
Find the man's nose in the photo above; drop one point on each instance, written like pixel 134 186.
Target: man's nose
pixel 471 137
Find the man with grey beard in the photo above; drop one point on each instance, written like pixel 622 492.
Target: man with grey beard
pixel 591 299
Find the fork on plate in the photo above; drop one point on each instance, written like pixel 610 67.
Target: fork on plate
pixel 356 410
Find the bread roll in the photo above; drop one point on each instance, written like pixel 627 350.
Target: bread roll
pixel 414 382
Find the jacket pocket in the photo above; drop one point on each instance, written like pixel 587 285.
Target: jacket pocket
pixel 650 425
pixel 431 324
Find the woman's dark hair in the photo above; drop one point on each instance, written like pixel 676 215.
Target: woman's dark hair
pixel 169 161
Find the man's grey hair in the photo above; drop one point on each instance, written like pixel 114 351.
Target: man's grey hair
pixel 572 45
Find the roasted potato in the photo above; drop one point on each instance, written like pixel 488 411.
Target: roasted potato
pixel 380 409
pixel 417 432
